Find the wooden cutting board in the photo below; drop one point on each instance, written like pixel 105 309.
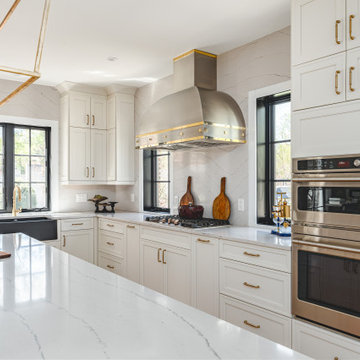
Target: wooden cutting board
pixel 4 255
pixel 187 197
pixel 221 205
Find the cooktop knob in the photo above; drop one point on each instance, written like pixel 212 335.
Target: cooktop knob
pixel 357 162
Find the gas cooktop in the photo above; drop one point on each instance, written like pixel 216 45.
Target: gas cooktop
pixel 191 223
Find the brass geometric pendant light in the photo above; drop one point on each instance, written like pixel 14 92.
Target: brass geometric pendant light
pixel 32 75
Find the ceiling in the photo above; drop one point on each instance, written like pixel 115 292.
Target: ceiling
pixel 140 36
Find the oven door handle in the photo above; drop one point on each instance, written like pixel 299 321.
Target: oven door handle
pixel 325 179
pixel 325 246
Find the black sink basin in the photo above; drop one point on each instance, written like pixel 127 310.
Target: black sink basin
pixel 40 228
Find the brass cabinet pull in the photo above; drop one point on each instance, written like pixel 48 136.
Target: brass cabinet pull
pixel 337 73
pixel 159 255
pixel 252 286
pixel 352 68
pixel 110 243
pixel 130 226
pixel 77 224
pixel 87 172
pixel 64 240
pixel 110 225
pixel 93 120
pixel 337 32
pixel 110 267
pixel 250 254
pixel 351 17
pixel 252 325
pixel 93 172
pixel 203 241
pixel 163 257
pixel 87 119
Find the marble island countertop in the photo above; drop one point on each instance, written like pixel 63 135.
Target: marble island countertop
pixel 54 305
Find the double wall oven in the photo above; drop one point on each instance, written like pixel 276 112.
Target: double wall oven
pixel 326 241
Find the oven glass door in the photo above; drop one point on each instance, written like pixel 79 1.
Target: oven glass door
pixel 329 281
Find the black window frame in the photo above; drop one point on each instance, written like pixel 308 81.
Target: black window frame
pixel 267 104
pixel 150 180
pixel 9 168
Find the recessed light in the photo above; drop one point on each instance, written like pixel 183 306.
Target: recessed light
pixel 112 58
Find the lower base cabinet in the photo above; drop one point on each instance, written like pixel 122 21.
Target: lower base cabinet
pixel 111 263
pixel 259 321
pixel 79 243
pixel 322 344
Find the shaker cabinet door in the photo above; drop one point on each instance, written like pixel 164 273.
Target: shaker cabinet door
pixel 79 154
pixel 318 29
pixel 353 73
pixel 79 243
pixel 98 112
pixel 353 24
pixel 79 110
pixel 98 155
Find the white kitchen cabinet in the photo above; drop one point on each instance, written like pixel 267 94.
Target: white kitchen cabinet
pixel 206 274
pixel 353 74
pixel 321 82
pixel 98 155
pixel 111 263
pixel 318 29
pixel 353 23
pixel 166 269
pixel 329 130
pixel 79 243
pixel 133 252
pixel 259 321
pixel 111 243
pixel 323 344
pixel 79 154
pixel 79 110
pixel 98 112
pixel 121 146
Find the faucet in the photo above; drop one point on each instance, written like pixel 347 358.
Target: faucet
pixel 14 210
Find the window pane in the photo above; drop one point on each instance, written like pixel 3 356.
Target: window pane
pixel 38 144
pixel 282 126
pixel 21 141
pixel 22 164
pixel 1 168
pixel 38 169
pixel 25 196
pixel 162 163
pixel 38 195
pixel 162 195
pixel 282 158
pixel 2 203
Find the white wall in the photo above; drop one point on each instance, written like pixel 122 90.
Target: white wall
pixel 43 102
pixel 261 63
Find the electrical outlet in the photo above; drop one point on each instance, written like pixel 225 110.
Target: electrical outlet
pixel 241 205
pixel 80 198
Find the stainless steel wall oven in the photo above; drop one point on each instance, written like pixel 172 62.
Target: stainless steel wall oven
pixel 326 241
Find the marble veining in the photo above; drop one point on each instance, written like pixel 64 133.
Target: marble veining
pixel 53 305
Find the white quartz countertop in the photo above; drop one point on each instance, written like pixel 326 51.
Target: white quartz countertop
pixel 54 305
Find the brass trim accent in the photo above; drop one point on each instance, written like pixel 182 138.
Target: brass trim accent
pixel 171 129
pixel 351 17
pixel 203 241
pixel 252 325
pixel 110 267
pixel 252 286
pixel 337 32
pixel 183 140
pixel 194 51
pixel 64 240
pixel 337 73
pixel 163 257
pixel 130 226
pixel 229 140
pixel 226 126
pixel 77 224
pixel 110 243
pixel 250 254
pixel 9 13
pixel 352 68
pixel 158 255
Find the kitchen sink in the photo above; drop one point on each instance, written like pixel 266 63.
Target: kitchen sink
pixel 40 228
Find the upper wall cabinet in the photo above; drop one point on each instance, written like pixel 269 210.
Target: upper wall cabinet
pixel 353 23
pixel 318 29
pixel 87 111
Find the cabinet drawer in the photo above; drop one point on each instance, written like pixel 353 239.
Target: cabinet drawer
pixel 110 225
pixel 266 257
pixel 112 243
pixel 266 288
pixel 323 344
pixel 261 322
pixel 111 263
pixel 175 238
pixel 77 224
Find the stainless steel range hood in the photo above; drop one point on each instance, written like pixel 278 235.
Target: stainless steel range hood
pixel 195 115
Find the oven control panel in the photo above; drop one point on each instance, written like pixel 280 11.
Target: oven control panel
pixel 338 164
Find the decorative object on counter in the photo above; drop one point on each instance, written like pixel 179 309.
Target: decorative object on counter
pixel 102 207
pixel 187 197
pixel 4 255
pixel 191 211
pixel 281 216
pixel 191 223
pixel 221 205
